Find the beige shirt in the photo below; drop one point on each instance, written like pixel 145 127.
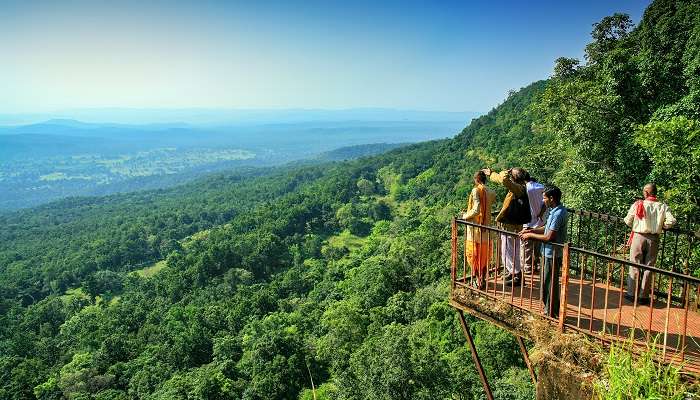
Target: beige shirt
pixel 473 214
pixel 657 216
pixel 475 203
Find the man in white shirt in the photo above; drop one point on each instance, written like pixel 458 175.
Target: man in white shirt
pixel 648 218
pixel 531 249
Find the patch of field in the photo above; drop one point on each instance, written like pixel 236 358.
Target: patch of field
pixel 109 301
pixel 194 238
pixel 56 176
pixel 346 239
pixel 61 176
pixel 151 270
pixel 75 293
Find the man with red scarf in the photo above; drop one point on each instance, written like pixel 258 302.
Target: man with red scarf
pixel 647 218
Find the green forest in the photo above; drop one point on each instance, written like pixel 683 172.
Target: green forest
pixel 266 283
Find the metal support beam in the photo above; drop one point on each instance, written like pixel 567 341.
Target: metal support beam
pixel 453 264
pixel 564 286
pixel 526 357
pixel 475 356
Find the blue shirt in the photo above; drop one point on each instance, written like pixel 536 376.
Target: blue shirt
pixel 556 221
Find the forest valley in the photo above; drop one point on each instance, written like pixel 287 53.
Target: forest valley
pixel 264 283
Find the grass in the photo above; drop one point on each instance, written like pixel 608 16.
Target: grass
pixel 61 176
pixel 75 293
pixel 56 176
pixel 346 239
pixel 627 376
pixel 151 270
pixel 195 237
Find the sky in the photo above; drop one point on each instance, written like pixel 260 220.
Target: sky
pixel 419 55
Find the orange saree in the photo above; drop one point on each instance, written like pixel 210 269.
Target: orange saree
pixel 478 245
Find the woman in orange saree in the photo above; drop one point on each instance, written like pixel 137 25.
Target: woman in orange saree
pixel 478 244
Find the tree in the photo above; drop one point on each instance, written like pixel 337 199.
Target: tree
pixel 202 383
pixel 365 186
pixel 565 67
pixel 606 34
pixel 344 325
pixel 81 377
pixel 273 358
pixel 104 282
pixel 673 148
pixel 348 216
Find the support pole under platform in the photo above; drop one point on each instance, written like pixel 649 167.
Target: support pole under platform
pixel 475 356
pixel 526 357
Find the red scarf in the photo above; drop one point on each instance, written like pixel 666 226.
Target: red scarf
pixel 640 206
pixel 639 214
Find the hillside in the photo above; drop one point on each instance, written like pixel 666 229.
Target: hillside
pixel 269 279
pixel 361 150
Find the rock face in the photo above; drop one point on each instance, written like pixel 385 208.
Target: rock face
pixel 556 381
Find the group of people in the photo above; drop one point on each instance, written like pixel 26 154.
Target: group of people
pixel 536 214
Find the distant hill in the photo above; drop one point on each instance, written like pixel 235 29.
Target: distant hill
pixel 236 117
pixel 40 145
pixel 362 150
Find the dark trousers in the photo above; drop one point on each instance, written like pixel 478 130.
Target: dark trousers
pixel 549 291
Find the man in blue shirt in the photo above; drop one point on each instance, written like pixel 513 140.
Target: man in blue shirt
pixel 554 231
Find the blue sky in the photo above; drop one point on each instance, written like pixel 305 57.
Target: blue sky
pixel 441 55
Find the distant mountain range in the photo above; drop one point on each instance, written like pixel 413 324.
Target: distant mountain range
pixel 217 117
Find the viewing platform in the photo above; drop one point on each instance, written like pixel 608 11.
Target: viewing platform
pixel 592 284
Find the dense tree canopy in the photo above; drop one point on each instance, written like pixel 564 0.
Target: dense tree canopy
pixel 331 280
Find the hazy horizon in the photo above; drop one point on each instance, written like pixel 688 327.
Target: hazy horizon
pixel 233 116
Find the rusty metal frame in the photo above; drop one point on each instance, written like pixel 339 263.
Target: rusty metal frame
pixel 564 295
pixel 608 272
pixel 475 355
pixel 454 253
pixel 526 357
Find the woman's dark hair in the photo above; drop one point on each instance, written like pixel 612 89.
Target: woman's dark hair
pixel 553 192
pixel 480 176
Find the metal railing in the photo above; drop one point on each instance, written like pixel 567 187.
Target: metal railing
pixel 592 283
pixel 608 234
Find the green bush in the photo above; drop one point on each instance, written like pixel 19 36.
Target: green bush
pixel 643 377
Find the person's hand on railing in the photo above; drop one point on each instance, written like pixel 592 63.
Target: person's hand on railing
pixel 526 233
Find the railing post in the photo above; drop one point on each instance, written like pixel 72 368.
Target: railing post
pixel 565 286
pixel 454 252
